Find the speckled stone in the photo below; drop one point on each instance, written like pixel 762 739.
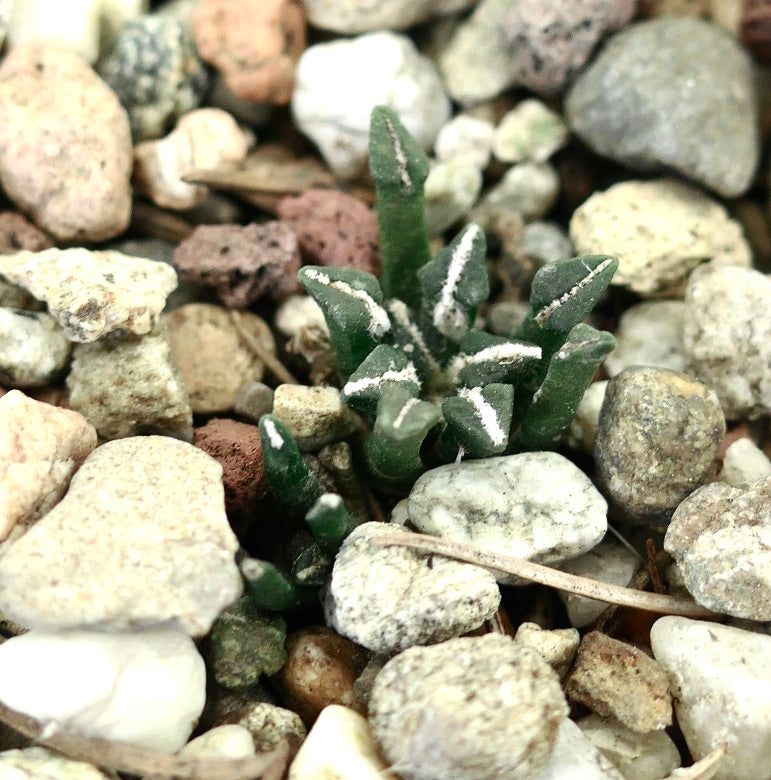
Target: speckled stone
pixel 720 538
pixel 557 647
pixel 268 724
pixel 153 68
pixel 477 708
pixel 390 598
pixel 34 350
pixel 530 131
pixel 528 188
pixel 657 441
pixel 675 93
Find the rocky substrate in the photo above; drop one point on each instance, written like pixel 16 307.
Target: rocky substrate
pixel 165 171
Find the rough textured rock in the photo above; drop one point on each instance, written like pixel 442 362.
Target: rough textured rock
pixel 333 228
pixel 153 68
pixel 657 441
pixel 616 679
pixel 16 232
pixel 146 687
pixel 128 387
pixel 727 336
pixel 255 44
pixel 476 708
pixel 355 16
pixel 535 505
pixel 321 669
pixel 332 104
pixel 241 263
pixel 720 685
pixel 659 230
pixel 211 355
pixel 37 763
pixel 389 598
pixel 675 93
pixel 92 293
pixel 558 647
pixel 65 144
pixel 34 350
pixel 720 538
pixel 530 131
pixel 41 446
pixel 268 724
pixel 84 564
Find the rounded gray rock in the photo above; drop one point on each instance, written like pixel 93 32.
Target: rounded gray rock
pixel 675 93
pixel 154 69
pixel 472 708
pixel 657 441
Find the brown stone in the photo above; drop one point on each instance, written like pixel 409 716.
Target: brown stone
pixel 16 232
pixel 333 229
pixel 321 669
pixel 255 44
pixel 241 263
pixel 615 679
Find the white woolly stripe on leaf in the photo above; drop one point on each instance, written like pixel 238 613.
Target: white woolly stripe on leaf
pixel 404 411
pixel 543 315
pixel 486 413
pixel 379 324
pixel 449 316
pixel 503 354
pixel 399 311
pixel 406 374
pixel 274 437
pixel 399 154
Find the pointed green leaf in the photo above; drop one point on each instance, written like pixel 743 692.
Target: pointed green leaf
pixel 330 522
pixel 269 589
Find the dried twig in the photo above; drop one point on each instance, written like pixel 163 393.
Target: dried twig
pixel 272 363
pixel 704 769
pixel 138 761
pixel 544 575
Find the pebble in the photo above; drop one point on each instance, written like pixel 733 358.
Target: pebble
pixel 212 358
pixel 333 228
pixel 237 448
pixel 332 103
pixel 467 136
pixel 583 427
pixel 204 139
pixel 254 44
pixel 686 88
pixel 657 441
pixel 720 675
pixel 530 131
pixel 534 505
pixel 637 756
pixel 253 400
pixel 451 189
pixel 340 746
pixel 130 387
pixel 649 334
pixel 615 679
pixel 34 350
pixel 242 263
pixel 300 319
pixel 244 644
pixel 744 462
pixel 728 336
pixel 93 293
pixel 153 68
pixel 321 669
pixel 268 725
pixel 557 647
pixel 37 763
pixel 64 134
pixel 17 232
pixel 146 688
pixel 528 188
pixel 390 598
pixel 659 230
pixel 720 538
pixel 476 708
pixel 610 562
pixel 41 446
pixel 227 741
pixel 545 242
pixel 574 757
pixel 351 16
pixel 172 565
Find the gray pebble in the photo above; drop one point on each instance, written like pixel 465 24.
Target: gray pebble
pixel 390 598
pixel 528 188
pixel 253 400
pixel 672 92
pixel 720 538
pixel 153 67
pixel 34 350
pixel 546 242
pixel 473 708
pixel 657 441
